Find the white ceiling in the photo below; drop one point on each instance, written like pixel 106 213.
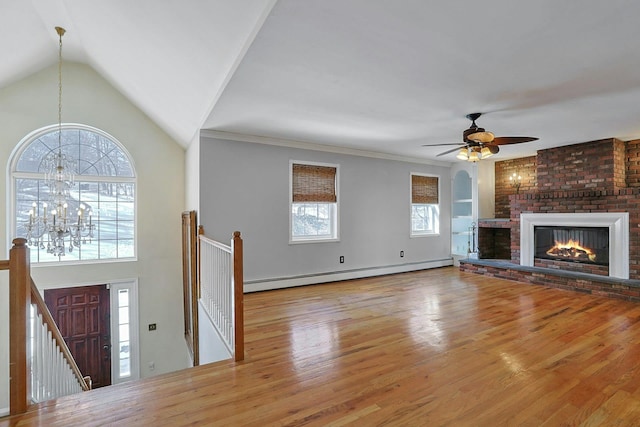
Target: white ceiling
pixel 377 75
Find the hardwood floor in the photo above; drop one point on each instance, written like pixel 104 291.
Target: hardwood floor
pixel 436 347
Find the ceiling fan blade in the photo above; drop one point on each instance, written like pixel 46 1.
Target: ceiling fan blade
pixel 450 151
pixel 446 143
pixel 505 140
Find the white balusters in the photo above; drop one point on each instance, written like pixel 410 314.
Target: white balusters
pixel 51 375
pixel 216 287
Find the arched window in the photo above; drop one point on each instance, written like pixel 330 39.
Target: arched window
pixel 105 187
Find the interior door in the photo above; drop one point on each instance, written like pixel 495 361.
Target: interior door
pixel 83 317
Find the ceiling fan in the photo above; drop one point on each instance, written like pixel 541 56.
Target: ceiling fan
pixel 479 144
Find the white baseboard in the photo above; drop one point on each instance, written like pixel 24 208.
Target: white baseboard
pixel 313 279
pixel 5 412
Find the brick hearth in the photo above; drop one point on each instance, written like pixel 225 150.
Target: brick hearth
pixel 569 280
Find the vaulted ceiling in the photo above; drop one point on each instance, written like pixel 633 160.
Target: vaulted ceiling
pixel 374 75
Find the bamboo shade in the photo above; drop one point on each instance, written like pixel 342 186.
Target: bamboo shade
pixel 312 183
pixel 424 189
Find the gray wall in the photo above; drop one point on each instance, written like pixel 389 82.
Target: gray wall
pixel 245 186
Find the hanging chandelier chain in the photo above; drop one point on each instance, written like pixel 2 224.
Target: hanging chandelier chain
pixel 59 230
pixel 60 32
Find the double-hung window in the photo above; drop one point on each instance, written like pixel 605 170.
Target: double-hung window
pixel 313 202
pixel 425 210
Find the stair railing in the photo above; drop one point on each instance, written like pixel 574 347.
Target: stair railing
pixel 41 366
pixel 221 284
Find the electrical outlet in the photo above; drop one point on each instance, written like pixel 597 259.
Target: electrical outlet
pixel 152 326
pixel 341 259
pixel 401 254
pixel 152 366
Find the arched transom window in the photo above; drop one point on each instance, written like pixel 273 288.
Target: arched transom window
pixel 103 195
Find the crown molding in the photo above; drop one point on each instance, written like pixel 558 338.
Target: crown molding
pixel 280 142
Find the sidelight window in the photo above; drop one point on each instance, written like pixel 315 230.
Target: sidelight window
pixel 124 332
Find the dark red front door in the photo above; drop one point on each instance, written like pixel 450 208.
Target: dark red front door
pixel 82 315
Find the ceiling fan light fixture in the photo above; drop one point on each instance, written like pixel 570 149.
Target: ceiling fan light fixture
pixel 463 154
pixel 479 144
pixel 481 137
pixel 486 152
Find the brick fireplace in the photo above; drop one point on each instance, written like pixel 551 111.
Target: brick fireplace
pixel 601 177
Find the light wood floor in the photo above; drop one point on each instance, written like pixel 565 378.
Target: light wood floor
pixel 431 348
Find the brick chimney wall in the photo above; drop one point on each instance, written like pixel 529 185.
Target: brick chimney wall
pixel 588 166
pixel 633 163
pixel 597 176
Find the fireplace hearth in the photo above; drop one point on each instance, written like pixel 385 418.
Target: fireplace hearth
pixel 588 245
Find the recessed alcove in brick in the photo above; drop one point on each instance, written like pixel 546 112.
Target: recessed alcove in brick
pixel 494 239
pixel 494 243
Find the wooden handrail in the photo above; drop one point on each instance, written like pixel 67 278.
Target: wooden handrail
pixel 238 295
pixel 198 261
pixel 36 298
pixel 4 264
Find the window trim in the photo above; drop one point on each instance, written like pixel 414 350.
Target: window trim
pixel 314 239
pixel 412 232
pixel 13 175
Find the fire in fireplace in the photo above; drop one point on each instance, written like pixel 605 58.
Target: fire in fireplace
pixel 573 244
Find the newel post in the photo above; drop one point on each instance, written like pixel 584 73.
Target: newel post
pixel 197 256
pixel 238 295
pixel 19 308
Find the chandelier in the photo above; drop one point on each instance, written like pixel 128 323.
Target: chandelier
pixel 54 227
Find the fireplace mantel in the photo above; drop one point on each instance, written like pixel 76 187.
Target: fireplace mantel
pixel 617 222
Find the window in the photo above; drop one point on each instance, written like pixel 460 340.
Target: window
pixel 425 211
pixel 124 345
pixel 314 202
pixel 124 331
pixel 105 185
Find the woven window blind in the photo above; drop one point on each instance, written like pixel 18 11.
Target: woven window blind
pixel 313 183
pixel 424 189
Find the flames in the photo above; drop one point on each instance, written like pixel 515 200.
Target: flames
pixel 572 250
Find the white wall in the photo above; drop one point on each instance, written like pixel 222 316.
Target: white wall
pixel 486 189
pixel 87 98
pixel 245 187
pixel 192 177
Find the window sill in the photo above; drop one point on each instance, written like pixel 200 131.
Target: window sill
pixel 412 236
pixel 81 262
pixel 303 241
